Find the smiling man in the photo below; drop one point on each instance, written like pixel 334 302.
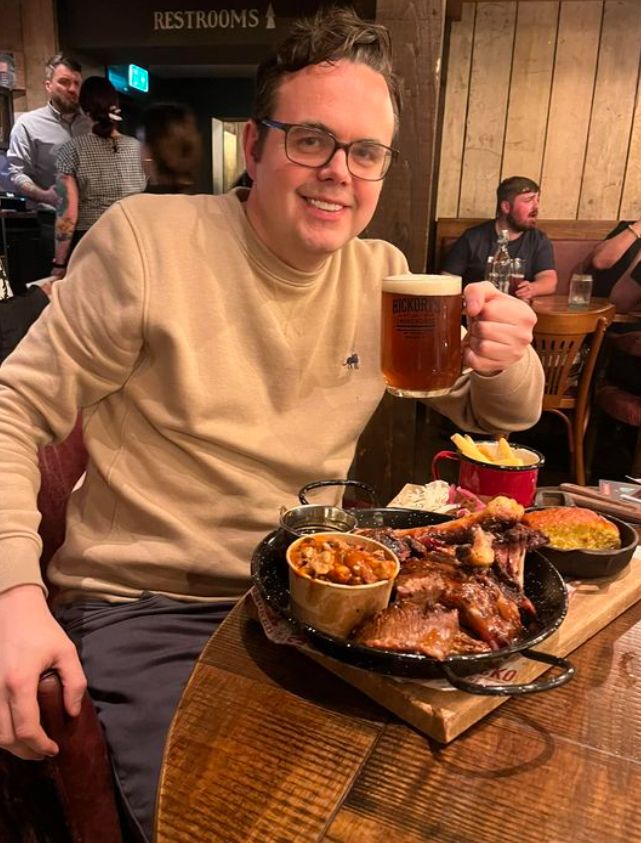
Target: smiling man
pixel 225 351
pixel 517 211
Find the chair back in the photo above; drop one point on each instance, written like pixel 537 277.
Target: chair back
pixel 559 340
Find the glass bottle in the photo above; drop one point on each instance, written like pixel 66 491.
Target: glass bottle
pixel 502 263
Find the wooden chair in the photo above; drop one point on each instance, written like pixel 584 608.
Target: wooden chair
pixel 71 798
pixel 568 346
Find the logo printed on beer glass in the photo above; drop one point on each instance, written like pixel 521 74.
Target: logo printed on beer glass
pixel 421 334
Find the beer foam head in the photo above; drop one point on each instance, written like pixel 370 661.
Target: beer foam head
pixel 423 285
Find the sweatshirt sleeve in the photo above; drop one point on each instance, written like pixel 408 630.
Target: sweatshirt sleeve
pixel 83 347
pixel 502 403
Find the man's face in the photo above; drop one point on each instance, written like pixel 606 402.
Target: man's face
pixel 305 214
pixel 523 211
pixel 63 89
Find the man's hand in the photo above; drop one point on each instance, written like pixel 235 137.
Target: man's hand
pixel 499 328
pixel 31 642
pixel 524 292
pixel 50 196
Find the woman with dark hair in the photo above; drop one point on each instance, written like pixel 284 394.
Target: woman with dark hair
pixel 94 170
pixel 172 148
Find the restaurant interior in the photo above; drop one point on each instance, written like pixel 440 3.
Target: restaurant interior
pixel 548 89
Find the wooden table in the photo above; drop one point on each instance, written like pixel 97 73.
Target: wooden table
pixel 268 746
pixel 559 305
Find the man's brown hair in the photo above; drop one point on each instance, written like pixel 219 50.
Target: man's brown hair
pixel 57 60
pixel 329 36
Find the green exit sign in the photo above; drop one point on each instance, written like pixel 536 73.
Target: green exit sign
pixel 138 78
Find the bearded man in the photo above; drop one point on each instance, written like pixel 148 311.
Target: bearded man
pixel 35 139
pixel 517 210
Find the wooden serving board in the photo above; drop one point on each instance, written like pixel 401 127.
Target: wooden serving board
pixel 445 714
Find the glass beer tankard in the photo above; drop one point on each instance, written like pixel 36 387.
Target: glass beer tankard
pixel 421 354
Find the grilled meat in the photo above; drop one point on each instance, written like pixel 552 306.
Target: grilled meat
pixel 409 627
pixel 425 580
pixel 460 587
pixel 511 546
pixel 404 546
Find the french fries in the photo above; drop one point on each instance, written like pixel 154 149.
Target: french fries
pixel 483 452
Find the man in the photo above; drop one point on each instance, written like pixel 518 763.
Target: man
pixel 35 139
pixel 205 339
pixel 517 209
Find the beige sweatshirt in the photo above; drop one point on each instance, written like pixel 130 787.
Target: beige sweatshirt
pixel 213 386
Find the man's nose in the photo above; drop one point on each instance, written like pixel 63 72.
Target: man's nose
pixel 336 167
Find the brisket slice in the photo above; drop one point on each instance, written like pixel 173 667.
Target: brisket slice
pixel 425 580
pixel 486 609
pixel 409 627
pixel 489 606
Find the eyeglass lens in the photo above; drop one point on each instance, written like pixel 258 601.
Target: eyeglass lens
pixel 314 148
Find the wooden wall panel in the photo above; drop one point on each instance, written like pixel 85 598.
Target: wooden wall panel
pixel 455 112
pixel 611 124
pixel 554 93
pixel 532 65
pixel 487 108
pixel 40 38
pixel 570 108
pixel 631 201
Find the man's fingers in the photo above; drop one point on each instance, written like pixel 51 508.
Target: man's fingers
pixel 25 715
pixel 74 683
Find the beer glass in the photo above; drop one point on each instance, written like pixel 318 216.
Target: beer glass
pixel 517 275
pixel 421 355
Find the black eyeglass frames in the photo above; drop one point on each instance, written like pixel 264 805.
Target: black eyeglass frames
pixel 310 146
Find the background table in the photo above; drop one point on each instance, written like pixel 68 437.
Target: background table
pixel 559 305
pixel 268 746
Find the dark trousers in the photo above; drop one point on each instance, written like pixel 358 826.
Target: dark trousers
pixel 47 225
pixel 137 658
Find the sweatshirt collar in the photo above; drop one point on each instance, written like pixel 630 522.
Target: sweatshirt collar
pixel 261 255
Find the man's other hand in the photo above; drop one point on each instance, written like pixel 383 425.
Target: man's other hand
pixel 499 328
pixel 32 642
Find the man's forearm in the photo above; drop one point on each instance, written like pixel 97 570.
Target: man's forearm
pixel 544 283
pixel 606 254
pixel 27 187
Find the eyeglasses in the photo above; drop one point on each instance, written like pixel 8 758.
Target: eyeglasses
pixel 312 147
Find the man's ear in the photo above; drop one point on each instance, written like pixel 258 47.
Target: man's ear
pixel 506 207
pixel 48 86
pixel 250 147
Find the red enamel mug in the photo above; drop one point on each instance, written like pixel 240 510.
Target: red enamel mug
pixel 489 479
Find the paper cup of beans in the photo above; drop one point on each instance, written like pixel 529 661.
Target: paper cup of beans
pixel 336 580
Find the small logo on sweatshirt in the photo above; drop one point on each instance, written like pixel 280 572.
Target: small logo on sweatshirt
pixel 353 361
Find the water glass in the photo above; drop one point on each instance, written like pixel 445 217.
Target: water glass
pixel 580 292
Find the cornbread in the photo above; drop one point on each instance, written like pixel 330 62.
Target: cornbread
pixel 569 527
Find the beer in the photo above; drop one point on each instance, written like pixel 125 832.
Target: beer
pixel 421 334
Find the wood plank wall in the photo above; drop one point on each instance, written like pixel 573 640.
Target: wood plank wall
pixel 28 30
pixel 549 89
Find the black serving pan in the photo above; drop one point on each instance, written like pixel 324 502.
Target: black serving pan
pixel 543 585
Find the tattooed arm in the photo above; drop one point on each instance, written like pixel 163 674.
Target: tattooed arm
pixel 66 219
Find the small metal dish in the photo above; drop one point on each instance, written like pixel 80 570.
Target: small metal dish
pixel 316 518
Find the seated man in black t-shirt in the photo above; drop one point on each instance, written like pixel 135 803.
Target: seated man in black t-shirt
pixel 517 209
